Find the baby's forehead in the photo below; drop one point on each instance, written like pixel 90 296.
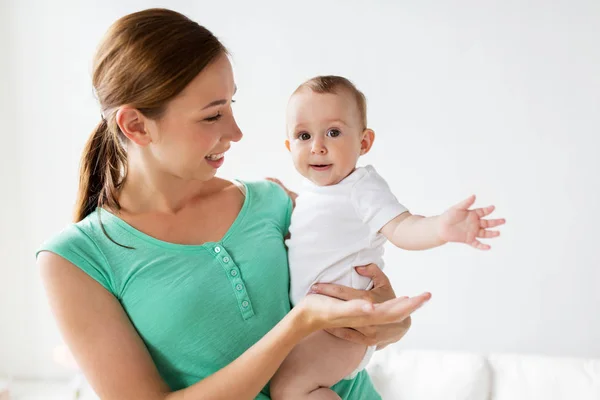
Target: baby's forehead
pixel 306 101
pixel 306 93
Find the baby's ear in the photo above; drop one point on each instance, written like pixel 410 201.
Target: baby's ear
pixel 368 137
pixel 287 144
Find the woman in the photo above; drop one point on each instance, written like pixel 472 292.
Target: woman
pixel 173 283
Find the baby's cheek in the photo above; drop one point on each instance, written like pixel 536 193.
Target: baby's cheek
pixel 298 158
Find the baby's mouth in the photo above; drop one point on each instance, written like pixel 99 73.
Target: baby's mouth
pixel 320 167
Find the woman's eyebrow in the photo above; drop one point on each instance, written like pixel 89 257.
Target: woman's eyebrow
pixel 219 102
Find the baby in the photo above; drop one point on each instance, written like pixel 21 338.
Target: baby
pixel 342 220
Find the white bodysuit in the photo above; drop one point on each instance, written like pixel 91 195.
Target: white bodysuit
pixel 336 228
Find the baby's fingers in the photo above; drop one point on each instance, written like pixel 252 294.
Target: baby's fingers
pixel 466 203
pixel 481 246
pixel 491 223
pixel 487 234
pixel 482 212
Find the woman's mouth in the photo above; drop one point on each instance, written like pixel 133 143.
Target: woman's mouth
pixel 215 160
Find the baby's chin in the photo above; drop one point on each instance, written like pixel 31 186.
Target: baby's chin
pixel 321 182
pixel 326 178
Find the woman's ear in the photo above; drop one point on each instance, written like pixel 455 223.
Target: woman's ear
pixel 133 125
pixel 366 142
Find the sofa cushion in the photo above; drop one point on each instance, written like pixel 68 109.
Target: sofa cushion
pixel 429 375
pixel 526 377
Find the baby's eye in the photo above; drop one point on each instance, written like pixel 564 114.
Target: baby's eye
pixel 333 133
pixel 304 136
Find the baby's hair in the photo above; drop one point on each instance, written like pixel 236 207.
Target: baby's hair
pixel 332 84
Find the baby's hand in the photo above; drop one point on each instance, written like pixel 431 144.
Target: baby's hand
pixel 293 195
pixel 459 224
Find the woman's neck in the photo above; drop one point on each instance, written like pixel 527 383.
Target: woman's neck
pixel 145 190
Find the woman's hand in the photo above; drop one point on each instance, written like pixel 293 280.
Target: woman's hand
pixel 378 318
pixel 371 335
pixel 380 335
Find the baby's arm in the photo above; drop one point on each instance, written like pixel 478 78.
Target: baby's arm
pixel 413 232
pixel 458 224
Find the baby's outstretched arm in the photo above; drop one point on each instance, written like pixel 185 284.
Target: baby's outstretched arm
pixel 458 224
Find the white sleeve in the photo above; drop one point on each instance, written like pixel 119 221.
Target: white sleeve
pixel 374 202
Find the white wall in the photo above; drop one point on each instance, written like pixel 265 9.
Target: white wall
pixel 15 327
pixel 499 98
pixel 7 162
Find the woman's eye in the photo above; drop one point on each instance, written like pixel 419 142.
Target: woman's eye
pixel 213 118
pixel 333 133
pixel 304 136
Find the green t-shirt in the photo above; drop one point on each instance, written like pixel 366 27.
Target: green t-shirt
pixel 197 307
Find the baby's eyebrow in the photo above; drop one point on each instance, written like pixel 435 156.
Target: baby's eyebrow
pixel 338 121
pixel 299 126
pixel 303 125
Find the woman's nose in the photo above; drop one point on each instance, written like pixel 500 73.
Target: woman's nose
pixel 235 134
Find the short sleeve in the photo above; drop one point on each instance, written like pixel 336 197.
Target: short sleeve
pixel 74 245
pixel 374 201
pixel 283 206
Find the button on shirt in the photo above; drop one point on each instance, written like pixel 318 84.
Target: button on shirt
pixel 197 307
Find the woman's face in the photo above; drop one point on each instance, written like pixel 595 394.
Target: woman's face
pixel 197 128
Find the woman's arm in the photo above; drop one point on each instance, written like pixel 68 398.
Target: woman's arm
pixel 115 360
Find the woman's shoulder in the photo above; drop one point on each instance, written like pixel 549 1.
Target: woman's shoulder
pixel 81 232
pixel 269 201
pixel 78 244
pixel 266 193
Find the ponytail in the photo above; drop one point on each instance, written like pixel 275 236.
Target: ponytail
pixel 103 167
pixel 144 60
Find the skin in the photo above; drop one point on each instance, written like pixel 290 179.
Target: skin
pixel 325 136
pixel 326 139
pixel 170 187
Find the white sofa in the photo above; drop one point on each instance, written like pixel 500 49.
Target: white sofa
pixel 432 375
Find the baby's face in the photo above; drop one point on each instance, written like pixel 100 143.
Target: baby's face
pixel 324 135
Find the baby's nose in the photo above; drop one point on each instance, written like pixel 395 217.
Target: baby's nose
pixel 318 148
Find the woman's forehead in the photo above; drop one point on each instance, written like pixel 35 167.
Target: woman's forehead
pixel 214 83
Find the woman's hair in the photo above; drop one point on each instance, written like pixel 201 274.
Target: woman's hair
pixel 144 60
pixel 333 84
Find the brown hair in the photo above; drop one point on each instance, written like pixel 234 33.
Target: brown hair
pixel 144 60
pixel 332 84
